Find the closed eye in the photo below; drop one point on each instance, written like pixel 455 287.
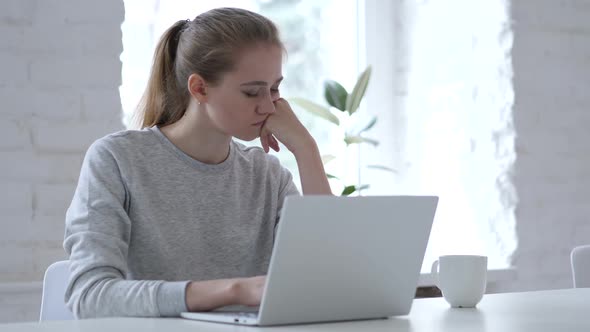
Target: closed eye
pixel 255 94
pixel 250 94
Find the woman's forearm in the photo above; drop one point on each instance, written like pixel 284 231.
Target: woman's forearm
pixel 311 170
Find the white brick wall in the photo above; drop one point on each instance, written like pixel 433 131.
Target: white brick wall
pixel 14 69
pixel 59 89
pixel 552 115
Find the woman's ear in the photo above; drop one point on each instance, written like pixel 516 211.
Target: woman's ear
pixel 197 87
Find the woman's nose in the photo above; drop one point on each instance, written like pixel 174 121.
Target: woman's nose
pixel 267 106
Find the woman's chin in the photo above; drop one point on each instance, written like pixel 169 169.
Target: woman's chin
pixel 247 137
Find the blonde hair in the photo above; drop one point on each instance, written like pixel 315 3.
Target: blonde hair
pixel 208 46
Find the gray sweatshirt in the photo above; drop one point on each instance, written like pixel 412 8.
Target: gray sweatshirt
pixel 146 218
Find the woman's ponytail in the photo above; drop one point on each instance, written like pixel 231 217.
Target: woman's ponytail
pixel 163 102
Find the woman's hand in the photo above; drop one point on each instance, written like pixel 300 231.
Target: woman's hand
pixel 248 291
pixel 212 294
pixel 284 126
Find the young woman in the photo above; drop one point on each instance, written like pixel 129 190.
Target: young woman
pixel 177 216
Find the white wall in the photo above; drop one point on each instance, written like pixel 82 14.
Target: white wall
pixel 551 60
pixel 59 78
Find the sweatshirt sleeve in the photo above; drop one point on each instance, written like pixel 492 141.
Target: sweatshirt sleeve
pixel 97 235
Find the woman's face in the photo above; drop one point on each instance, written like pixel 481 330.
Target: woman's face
pixel 241 102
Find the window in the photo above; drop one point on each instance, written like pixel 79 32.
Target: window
pixel 443 88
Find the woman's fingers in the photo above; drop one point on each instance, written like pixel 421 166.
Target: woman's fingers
pixel 264 141
pixel 274 144
pixel 268 141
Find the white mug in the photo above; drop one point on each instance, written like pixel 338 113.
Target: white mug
pixel 461 279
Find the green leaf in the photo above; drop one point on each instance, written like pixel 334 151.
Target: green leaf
pixel 330 176
pixel 359 139
pixel 383 168
pixel 350 189
pixel 335 95
pixel 354 98
pixel 327 158
pixel 316 109
pixel 369 125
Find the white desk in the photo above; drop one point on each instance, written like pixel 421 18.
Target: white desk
pixel 559 310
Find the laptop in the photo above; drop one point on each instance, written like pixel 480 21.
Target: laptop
pixel 340 259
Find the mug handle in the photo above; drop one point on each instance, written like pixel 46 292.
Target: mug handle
pixel 434 272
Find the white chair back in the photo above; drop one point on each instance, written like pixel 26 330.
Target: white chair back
pixel 53 306
pixel 581 266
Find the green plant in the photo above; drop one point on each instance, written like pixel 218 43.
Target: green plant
pixel 345 105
